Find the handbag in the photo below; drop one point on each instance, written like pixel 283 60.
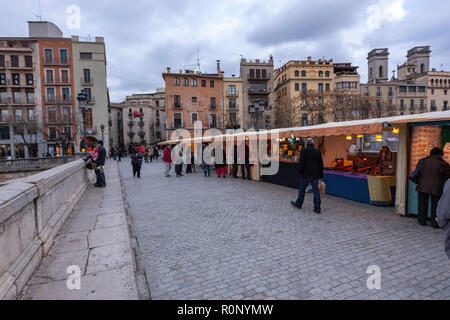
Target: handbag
pixel 415 175
pixel 322 188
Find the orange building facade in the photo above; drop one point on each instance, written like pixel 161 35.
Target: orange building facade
pixel 193 96
pixel 58 96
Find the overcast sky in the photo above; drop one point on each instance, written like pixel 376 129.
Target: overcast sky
pixel 144 37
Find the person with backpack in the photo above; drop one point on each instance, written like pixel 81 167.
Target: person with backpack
pixel 431 174
pixel 136 162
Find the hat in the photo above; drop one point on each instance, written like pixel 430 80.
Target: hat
pixel 310 142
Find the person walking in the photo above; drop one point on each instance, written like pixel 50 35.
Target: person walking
pixel 120 154
pixel 167 160
pixel 100 171
pixel 311 170
pixel 432 171
pixel 443 216
pixel 146 153
pixel 155 153
pixel 136 163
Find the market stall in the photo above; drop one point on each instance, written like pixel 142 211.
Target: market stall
pixel 354 166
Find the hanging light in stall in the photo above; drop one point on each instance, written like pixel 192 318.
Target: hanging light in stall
pixel 379 137
pixel 360 136
pixel 348 138
pixel 396 130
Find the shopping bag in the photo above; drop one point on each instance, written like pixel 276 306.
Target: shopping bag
pixel 322 188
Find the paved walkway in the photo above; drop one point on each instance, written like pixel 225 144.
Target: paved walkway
pixel 211 238
pixel 95 238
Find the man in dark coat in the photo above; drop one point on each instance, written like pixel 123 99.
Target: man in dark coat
pixel 443 215
pixel 311 170
pixel 433 172
pixel 100 171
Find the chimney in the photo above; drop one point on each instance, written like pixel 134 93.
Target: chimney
pixel 168 70
pixel 218 66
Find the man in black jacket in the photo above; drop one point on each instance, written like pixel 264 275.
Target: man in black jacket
pixel 311 170
pixel 433 173
pixel 100 171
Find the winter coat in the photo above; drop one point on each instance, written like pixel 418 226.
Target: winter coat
pixel 167 157
pixel 101 156
pixel 443 215
pixel 433 173
pixel 311 163
pixel 139 157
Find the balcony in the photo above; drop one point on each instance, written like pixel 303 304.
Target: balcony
pixel 87 82
pixel 212 107
pixel 258 91
pixel 56 62
pixel 233 94
pixel 261 77
pixel 55 83
pixel 233 108
pixel 91 100
pixel 23 101
pixel 178 125
pixel 412 107
pixel 18 68
pixel 54 100
pixel 177 106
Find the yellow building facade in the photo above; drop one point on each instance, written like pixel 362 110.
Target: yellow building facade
pixel 233 103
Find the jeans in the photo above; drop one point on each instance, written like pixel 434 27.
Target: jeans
pixel 136 170
pixel 247 168
pixel 178 169
pixel 423 208
pixel 206 169
pixel 304 182
pixel 234 170
pixel 100 177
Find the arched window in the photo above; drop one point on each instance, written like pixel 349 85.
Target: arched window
pixel 296 73
pixel 176 81
pixel 440 82
pixel 303 73
pixel 194 82
pixel 432 81
pixel 381 72
pixel 320 73
pixel 422 68
pixel 327 74
pixel 186 82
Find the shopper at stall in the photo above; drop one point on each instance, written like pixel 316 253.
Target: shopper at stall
pixel 311 170
pixel 432 172
pixel 206 167
pixel 443 215
pixel 244 161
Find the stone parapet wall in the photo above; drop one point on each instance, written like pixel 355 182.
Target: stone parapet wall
pixel 32 210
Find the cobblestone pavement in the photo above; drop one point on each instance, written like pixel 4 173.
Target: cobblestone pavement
pixel 211 238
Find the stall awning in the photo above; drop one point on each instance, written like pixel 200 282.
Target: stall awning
pixel 367 126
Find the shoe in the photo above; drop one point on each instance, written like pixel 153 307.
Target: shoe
pixel 168 175
pixel 318 212
pixel 421 224
pixel 435 225
pixel 224 176
pixel 295 205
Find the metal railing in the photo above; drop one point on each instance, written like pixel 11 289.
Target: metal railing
pixel 35 164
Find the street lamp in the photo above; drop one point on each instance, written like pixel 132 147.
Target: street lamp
pixel 102 128
pixel 82 102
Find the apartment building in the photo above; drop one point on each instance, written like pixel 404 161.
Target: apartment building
pixel 158 104
pixel 57 88
pixel 416 89
pixel 234 109
pixel 115 125
pixel 296 79
pixel 257 93
pixel 193 96
pixel 89 68
pixel 346 77
pixel 20 102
